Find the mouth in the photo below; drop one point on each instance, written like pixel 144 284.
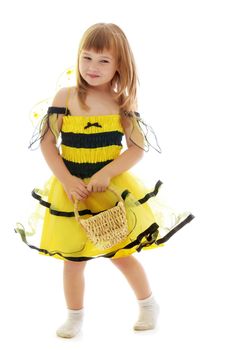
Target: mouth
pixel 93 75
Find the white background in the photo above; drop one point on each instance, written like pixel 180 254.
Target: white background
pixel 188 55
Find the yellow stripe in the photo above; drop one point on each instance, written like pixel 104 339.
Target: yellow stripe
pixel 77 124
pixel 90 155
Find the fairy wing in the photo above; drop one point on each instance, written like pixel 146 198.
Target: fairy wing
pixel 148 133
pixel 38 111
pixel 43 116
pixel 66 78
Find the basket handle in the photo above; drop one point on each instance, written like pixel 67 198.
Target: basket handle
pixel 78 218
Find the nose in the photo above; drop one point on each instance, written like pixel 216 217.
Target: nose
pixel 93 67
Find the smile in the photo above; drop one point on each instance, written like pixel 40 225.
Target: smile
pixel 93 75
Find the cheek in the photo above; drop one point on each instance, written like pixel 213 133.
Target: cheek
pixel 112 70
pixel 81 67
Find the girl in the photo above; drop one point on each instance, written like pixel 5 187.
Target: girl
pixel 92 118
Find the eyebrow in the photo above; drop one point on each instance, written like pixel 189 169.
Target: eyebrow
pixel 86 53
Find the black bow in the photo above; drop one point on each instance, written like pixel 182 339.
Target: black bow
pixel 92 124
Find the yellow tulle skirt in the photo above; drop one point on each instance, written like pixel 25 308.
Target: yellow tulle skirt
pixel 56 232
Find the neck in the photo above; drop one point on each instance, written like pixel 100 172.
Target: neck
pixel 100 89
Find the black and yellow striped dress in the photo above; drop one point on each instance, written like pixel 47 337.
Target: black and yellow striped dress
pixel 88 143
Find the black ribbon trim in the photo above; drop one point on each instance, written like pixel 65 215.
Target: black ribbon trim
pixel 39 133
pixel 151 194
pixel 58 110
pixel 70 213
pixel 87 211
pixel 175 229
pixel 150 234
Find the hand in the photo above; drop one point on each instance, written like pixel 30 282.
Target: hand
pixel 75 187
pixel 98 182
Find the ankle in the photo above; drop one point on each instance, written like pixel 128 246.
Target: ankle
pixel 75 311
pixel 150 300
pixel 145 296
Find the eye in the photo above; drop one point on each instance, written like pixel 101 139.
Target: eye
pixel 87 58
pixel 105 61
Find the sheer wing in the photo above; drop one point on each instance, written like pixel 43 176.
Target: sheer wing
pixel 149 137
pixel 43 117
pixel 38 111
pixel 48 121
pixel 66 78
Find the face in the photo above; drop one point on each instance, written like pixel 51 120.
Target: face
pixel 97 69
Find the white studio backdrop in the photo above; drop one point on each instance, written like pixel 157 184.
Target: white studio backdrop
pixel 188 55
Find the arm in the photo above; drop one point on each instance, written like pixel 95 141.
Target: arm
pixel 53 157
pixel 129 157
pixel 48 144
pixel 125 161
pixel 72 184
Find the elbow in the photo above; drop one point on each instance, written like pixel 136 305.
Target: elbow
pixel 43 145
pixel 137 151
pixel 46 145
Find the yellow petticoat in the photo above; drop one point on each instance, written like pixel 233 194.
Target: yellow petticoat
pixel 151 221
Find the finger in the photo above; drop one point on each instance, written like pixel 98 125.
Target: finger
pixel 81 193
pixel 76 195
pixel 89 188
pixel 82 185
pixel 85 191
pixel 84 195
pixel 71 197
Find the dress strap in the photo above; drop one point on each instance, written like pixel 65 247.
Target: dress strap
pixel 67 98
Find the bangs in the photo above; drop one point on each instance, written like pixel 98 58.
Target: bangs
pixel 99 40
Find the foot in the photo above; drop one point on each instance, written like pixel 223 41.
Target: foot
pixel 72 325
pixel 148 314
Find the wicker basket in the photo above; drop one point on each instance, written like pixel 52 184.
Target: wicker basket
pixel 107 228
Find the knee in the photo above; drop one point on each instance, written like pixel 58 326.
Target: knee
pixel 72 265
pixel 124 262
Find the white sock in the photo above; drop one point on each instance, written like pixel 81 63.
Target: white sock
pixel 148 314
pixel 72 325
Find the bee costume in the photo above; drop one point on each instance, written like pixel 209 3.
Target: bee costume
pixel 88 143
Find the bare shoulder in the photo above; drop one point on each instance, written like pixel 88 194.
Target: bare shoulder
pixel 61 96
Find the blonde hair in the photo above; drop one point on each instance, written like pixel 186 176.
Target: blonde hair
pixel 109 36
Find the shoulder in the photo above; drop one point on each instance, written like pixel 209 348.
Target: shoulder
pixel 127 119
pixel 61 100
pixel 60 97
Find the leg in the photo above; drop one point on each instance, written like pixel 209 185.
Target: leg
pixel 137 279
pixel 135 274
pixel 73 281
pixel 74 284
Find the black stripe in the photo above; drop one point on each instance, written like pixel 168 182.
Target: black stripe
pixel 87 211
pixel 175 229
pixel 151 234
pixel 151 194
pixel 58 110
pixel 84 170
pixel 69 213
pixel 147 233
pixel 94 140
